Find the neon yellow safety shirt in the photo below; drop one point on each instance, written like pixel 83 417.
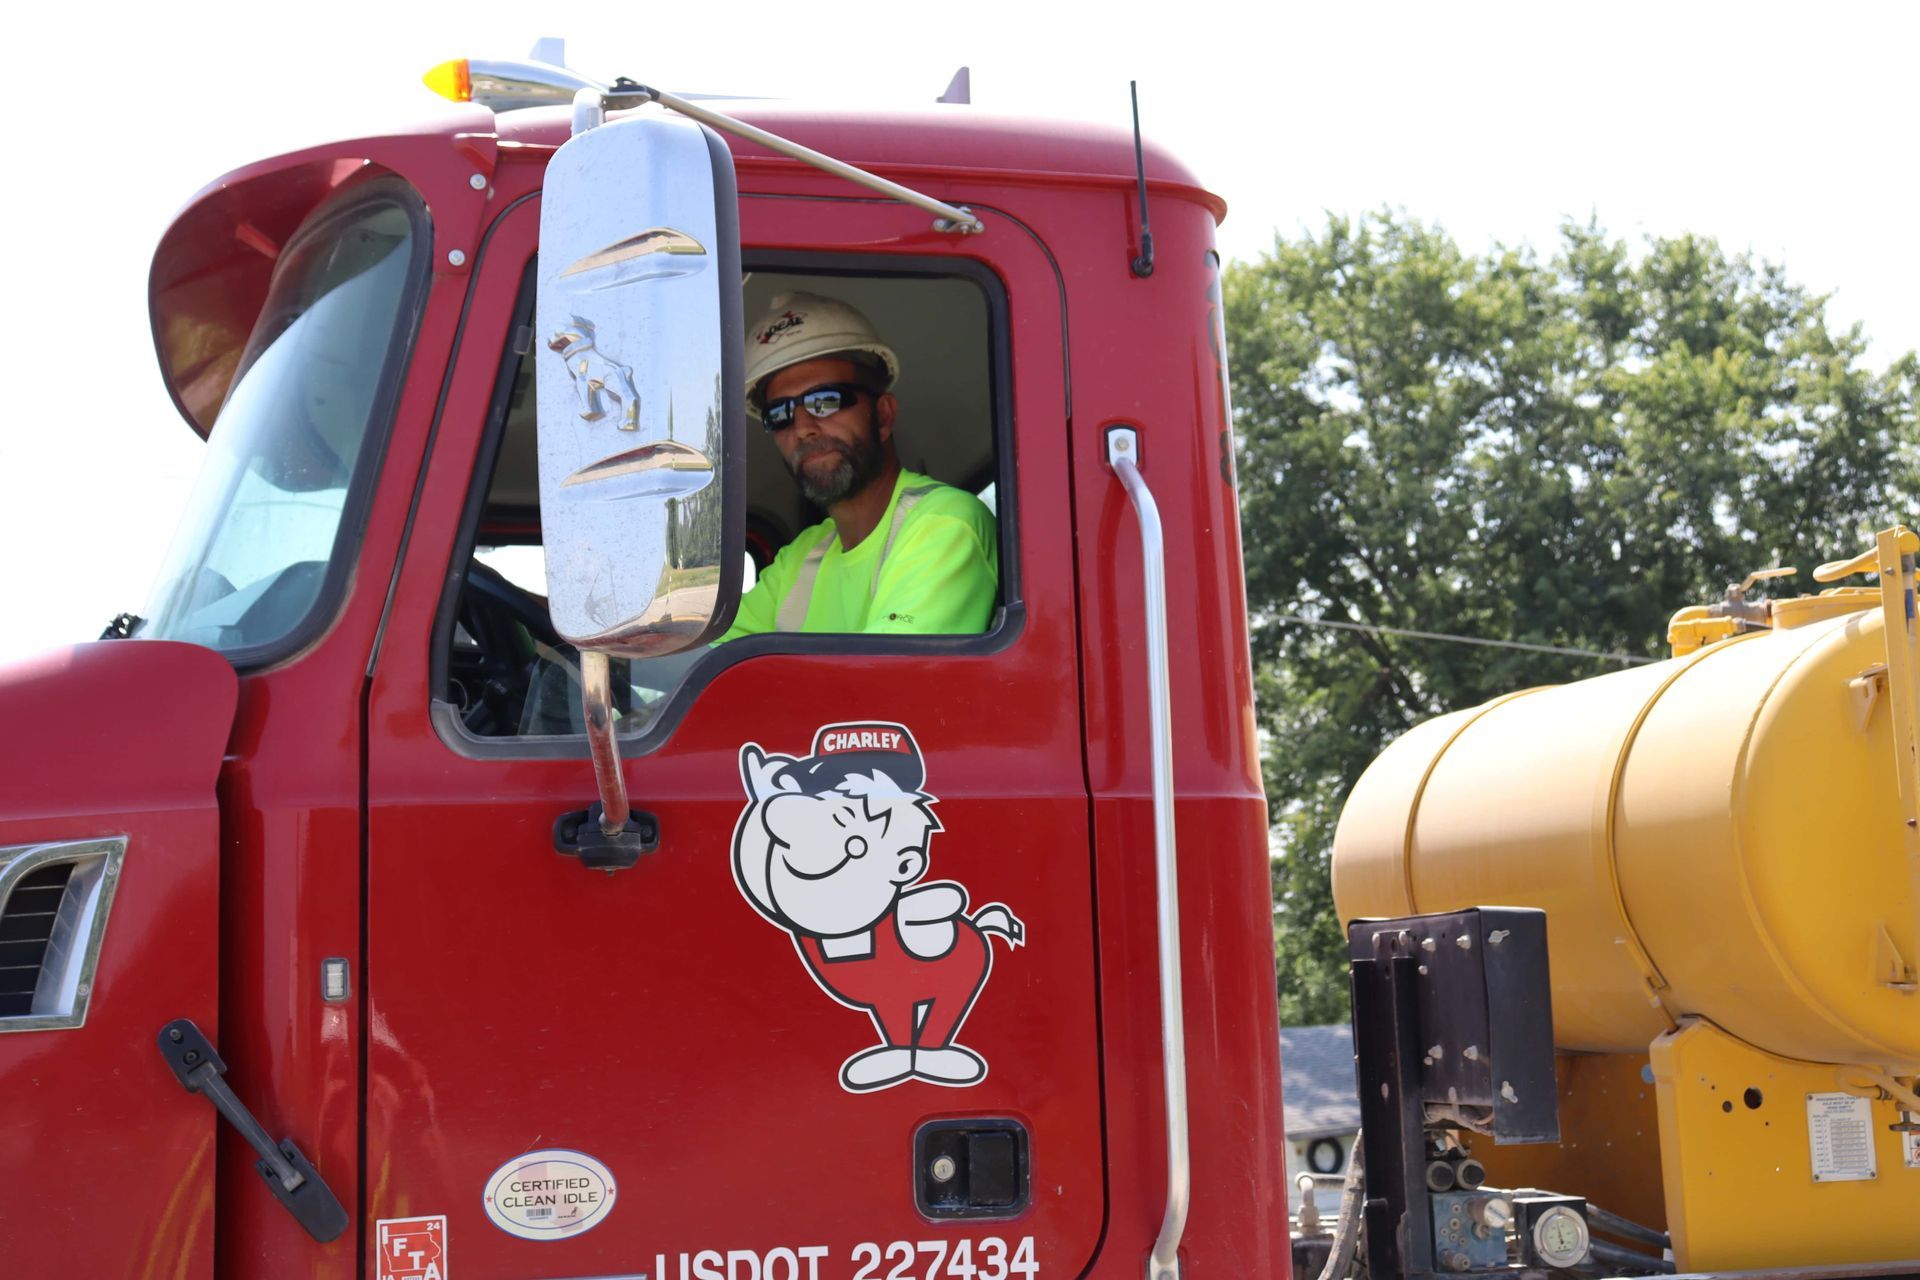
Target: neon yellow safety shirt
pixel 930 567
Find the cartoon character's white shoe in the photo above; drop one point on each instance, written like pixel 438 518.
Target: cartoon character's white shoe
pixel 876 1068
pixel 951 1065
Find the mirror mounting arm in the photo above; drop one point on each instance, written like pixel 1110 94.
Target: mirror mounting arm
pixel 589 109
pixel 590 104
pixel 596 695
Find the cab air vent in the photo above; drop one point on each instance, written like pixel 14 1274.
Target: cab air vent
pixel 26 925
pixel 54 900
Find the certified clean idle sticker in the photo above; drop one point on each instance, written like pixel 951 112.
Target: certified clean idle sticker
pixel 549 1195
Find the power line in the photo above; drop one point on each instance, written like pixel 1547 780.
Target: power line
pixel 1297 620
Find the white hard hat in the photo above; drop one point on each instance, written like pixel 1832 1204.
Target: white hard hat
pixel 806 326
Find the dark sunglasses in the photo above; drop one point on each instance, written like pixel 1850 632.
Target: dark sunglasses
pixel 822 402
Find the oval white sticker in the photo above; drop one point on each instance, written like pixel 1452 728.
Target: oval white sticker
pixel 549 1195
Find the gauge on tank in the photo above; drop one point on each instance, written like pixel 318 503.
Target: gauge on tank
pixel 1560 1237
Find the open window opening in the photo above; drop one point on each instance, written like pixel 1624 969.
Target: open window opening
pixel 502 671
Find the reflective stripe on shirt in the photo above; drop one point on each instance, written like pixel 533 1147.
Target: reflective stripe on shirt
pixel 799 598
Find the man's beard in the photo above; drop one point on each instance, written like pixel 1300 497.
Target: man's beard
pixel 855 467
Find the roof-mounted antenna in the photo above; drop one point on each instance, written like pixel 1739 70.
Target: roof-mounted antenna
pixel 959 89
pixel 1142 265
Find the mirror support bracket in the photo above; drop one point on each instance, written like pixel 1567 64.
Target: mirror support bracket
pixel 610 836
pixel 591 104
pixel 589 109
pixel 596 695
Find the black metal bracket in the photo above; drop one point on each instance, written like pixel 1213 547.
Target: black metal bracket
pixel 1386 1031
pixel 578 835
pixel 289 1175
pixel 1452 1029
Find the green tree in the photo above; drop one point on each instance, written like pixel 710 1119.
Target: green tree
pixel 1557 452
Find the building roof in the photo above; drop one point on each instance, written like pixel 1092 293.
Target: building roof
pixel 1317 1086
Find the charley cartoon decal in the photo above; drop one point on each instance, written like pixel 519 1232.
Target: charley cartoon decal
pixel 832 847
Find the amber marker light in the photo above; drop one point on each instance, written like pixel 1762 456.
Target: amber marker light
pixel 451 80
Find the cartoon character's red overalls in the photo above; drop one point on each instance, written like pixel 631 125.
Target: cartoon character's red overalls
pixel 916 1001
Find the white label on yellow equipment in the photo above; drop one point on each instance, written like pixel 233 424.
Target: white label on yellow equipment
pixel 1910 1143
pixel 1840 1130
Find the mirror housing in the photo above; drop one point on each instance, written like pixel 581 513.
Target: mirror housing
pixel 639 350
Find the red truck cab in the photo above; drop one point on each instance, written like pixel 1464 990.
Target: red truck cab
pixel 313 809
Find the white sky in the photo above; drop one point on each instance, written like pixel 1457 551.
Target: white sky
pixel 1783 128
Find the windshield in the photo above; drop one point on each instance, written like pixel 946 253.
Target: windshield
pixel 264 528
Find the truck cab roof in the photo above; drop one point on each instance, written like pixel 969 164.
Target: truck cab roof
pixel 211 268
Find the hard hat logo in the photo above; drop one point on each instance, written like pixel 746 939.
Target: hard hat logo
pixel 787 323
pixel 832 848
pixel 809 326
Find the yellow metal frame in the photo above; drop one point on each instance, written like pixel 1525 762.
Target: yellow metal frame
pixel 1739 1178
pixel 1695 627
pixel 1654 983
pixel 1426 775
pixel 1892 557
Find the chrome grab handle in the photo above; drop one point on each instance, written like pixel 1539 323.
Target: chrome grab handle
pixel 1123 453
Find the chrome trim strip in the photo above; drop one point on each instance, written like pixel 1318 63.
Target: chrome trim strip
pixel 65 990
pixel 651 241
pixel 1123 454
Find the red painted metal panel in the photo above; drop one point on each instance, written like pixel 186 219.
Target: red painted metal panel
pixel 513 1001
pixel 653 1020
pixel 1144 352
pixel 106 1162
pixel 977 147
pixel 291 865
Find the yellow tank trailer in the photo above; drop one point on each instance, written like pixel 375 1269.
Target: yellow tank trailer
pixel 1725 846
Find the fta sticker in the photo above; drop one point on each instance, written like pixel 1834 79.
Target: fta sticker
pixel 549 1195
pixel 411 1248
pixel 1912 1149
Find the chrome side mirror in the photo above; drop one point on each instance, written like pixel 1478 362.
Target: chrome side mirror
pixel 639 348
pixel 642 413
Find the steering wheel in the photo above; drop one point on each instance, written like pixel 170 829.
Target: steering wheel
pixel 504 622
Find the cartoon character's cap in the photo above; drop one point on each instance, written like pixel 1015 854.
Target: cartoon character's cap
pixel 866 747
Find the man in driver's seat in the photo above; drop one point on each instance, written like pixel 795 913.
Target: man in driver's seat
pixel 899 552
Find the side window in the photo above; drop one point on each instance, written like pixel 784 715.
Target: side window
pixel 508 675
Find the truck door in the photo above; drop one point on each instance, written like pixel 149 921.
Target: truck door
pixel 573 1073
pixel 109 898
